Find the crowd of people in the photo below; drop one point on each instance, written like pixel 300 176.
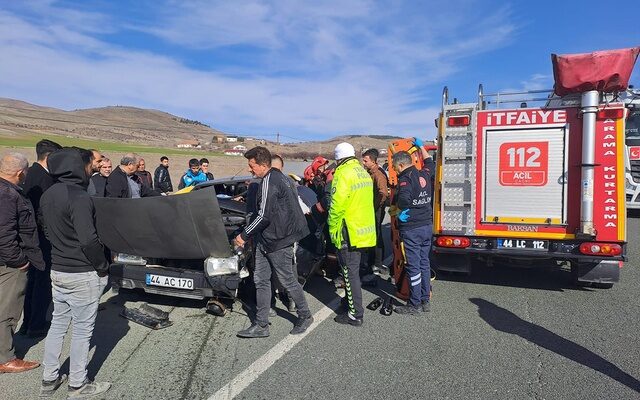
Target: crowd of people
pixel 50 251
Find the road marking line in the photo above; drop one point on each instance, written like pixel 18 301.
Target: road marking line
pixel 253 371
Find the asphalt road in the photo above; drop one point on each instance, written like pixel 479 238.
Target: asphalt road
pixel 503 334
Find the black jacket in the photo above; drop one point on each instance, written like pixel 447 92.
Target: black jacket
pixel 68 215
pixel 18 230
pixel 37 182
pixel 118 186
pixel 145 178
pixel 414 195
pixel 97 185
pixel 162 179
pixel 279 221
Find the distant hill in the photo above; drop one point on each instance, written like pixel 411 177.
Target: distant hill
pixel 152 128
pixel 116 123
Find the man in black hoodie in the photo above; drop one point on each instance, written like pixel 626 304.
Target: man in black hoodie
pixel 38 295
pixel 78 270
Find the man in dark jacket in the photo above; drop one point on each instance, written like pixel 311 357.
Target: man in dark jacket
pixel 18 252
pixel 161 177
pixel 38 295
pixel 412 205
pixel 78 270
pixel 98 181
pixel 204 166
pixel 144 176
pixel 123 182
pixel 278 225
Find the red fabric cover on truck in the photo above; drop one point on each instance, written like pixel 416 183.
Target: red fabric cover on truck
pixel 604 71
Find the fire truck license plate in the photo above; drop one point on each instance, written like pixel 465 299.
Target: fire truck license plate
pixel 523 244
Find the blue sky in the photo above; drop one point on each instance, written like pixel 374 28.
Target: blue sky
pixel 305 69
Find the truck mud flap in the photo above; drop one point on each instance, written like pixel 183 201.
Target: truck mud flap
pixel 605 272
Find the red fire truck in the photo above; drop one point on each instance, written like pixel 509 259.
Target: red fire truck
pixel 537 185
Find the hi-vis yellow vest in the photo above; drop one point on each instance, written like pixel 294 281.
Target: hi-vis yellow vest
pixel 352 204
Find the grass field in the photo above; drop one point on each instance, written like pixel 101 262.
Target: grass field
pixel 30 141
pixel 219 164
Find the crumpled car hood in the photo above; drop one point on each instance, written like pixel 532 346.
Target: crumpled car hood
pixel 186 226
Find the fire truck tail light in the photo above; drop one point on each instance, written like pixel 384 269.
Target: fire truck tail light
pixel 462 120
pixel 601 249
pixel 611 113
pixel 453 241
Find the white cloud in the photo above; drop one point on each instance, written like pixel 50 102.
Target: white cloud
pixel 326 68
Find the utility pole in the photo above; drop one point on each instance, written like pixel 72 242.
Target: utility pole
pixel 278 138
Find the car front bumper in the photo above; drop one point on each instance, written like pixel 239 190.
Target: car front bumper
pixel 128 276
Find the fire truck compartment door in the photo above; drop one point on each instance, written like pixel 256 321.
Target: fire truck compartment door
pixel 524 175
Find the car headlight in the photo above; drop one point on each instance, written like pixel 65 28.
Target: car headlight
pixel 129 259
pixel 215 266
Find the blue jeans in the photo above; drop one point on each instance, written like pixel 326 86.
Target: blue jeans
pixel 417 244
pixel 75 300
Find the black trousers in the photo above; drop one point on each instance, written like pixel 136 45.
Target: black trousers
pixel 37 299
pixel 349 260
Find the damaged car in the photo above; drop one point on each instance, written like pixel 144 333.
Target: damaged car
pixel 180 245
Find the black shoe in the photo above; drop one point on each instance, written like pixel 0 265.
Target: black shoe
pixel 291 306
pixel 301 325
pixel 254 331
pixel 48 388
pixel 387 307
pixel 408 310
pixel 346 319
pixel 377 302
pixel 426 306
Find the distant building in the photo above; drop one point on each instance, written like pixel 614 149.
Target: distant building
pixel 240 147
pixel 233 153
pixel 232 138
pixel 189 144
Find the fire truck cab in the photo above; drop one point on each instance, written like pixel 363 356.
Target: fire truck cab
pixel 534 186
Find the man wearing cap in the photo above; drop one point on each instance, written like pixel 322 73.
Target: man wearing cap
pixel 352 225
